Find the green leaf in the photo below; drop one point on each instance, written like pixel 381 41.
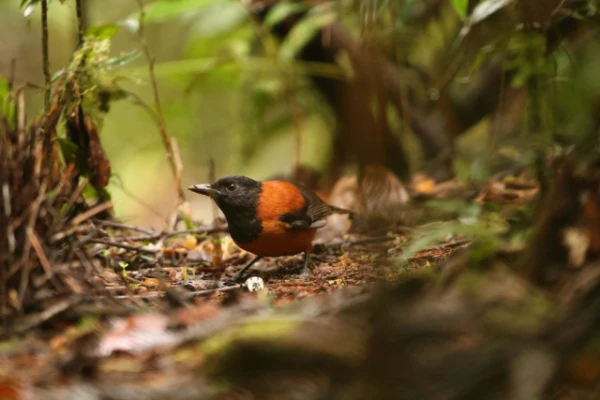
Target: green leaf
pixel 3 87
pixel 481 12
pixel 302 32
pixel 73 154
pixel 461 8
pixel 218 19
pixel 106 31
pixel 29 6
pixel 162 10
pixel 123 59
pixel 282 10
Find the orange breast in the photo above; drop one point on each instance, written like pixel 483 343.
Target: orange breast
pixel 276 239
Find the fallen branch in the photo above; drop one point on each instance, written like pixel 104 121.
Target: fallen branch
pixel 91 212
pixel 188 295
pixel 119 225
pixel 140 249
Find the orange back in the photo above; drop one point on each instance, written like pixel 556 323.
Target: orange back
pixel 278 198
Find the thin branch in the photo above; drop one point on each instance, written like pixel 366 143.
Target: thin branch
pixel 91 212
pixel 171 154
pixel 140 249
pixel 199 231
pixel 80 22
pixel 119 225
pixel 46 59
pixel 39 251
pixel 188 295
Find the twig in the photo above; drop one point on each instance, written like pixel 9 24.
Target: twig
pixel 119 225
pixel 378 239
pixel 91 212
pixel 39 251
pixel 161 119
pixel 210 291
pixel 188 295
pixel 33 320
pixel 198 231
pixel 46 58
pixel 140 249
pixel 69 232
pixel 33 214
pixel 75 195
pixel 80 22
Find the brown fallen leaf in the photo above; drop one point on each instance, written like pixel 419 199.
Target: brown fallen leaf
pixel 193 315
pixel 82 132
pixel 136 334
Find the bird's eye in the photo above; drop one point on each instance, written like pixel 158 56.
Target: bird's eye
pixel 231 187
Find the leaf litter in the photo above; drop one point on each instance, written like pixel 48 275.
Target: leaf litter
pixel 175 306
pixel 172 324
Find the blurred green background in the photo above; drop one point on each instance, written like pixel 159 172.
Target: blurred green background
pixel 203 103
pixel 229 92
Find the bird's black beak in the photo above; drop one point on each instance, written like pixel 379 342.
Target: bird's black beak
pixel 205 189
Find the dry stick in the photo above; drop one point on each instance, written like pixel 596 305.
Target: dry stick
pixel 161 120
pixel 76 193
pixel 166 235
pixel 33 213
pixel 46 59
pixel 39 251
pixel 188 295
pixel 123 246
pixel 33 320
pixel 119 225
pixel 91 212
pixel 80 23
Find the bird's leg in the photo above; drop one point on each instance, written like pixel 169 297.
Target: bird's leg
pixel 239 275
pixel 306 268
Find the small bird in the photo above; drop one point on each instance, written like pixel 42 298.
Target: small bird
pixel 271 218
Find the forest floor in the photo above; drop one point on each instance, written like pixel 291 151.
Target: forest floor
pixel 181 329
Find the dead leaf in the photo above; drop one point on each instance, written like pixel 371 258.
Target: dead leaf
pixel 151 282
pixel 136 334
pixel 82 132
pixel 194 315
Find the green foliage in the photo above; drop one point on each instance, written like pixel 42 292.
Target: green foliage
pixel 527 56
pixel 8 104
pixel 480 13
pixel 461 8
pixel 282 10
pixel 164 10
pixel 106 31
pixel 72 154
pixel 218 19
pixel 484 229
pixel 304 31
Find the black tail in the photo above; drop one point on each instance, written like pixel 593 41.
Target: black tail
pixel 338 210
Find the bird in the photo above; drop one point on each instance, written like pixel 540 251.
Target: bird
pixel 271 218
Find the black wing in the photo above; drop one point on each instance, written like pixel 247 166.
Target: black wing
pixel 313 216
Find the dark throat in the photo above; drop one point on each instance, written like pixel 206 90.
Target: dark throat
pixel 244 225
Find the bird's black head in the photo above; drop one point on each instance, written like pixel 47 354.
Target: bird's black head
pixel 237 197
pixel 231 193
